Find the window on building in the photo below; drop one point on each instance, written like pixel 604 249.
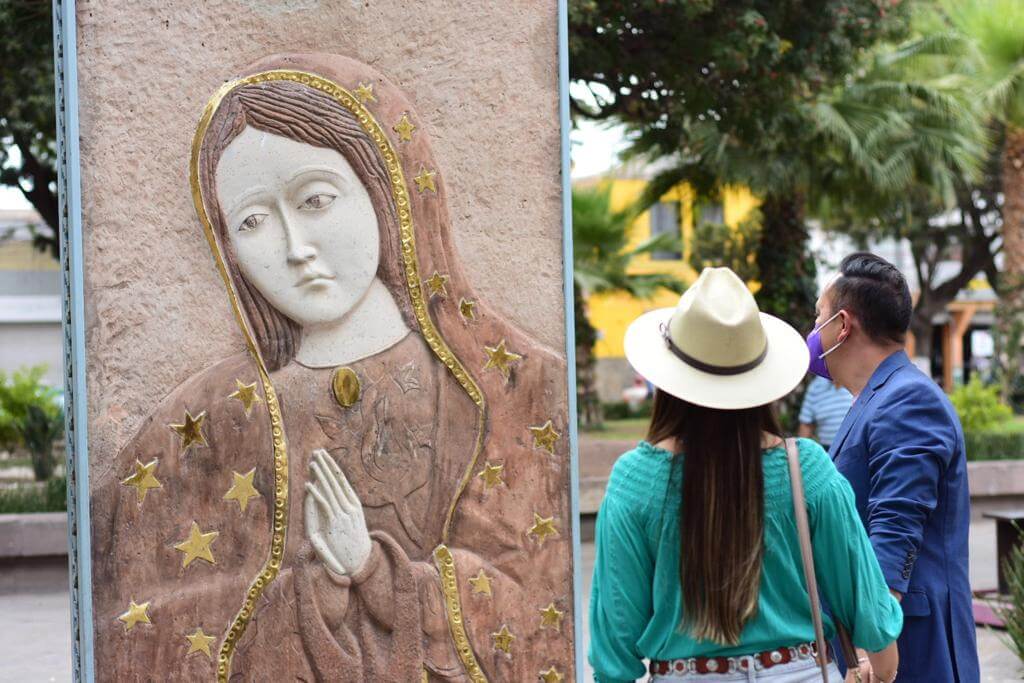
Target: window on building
pixel 665 221
pixel 710 213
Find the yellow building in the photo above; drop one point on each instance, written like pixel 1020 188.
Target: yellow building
pixel 675 213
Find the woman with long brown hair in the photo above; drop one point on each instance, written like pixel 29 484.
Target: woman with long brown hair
pixel 698 564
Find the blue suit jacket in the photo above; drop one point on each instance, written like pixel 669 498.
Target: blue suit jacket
pixel 902 449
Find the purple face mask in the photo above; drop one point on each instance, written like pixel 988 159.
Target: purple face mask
pixel 818 365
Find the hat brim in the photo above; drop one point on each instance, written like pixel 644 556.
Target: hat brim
pixel 784 366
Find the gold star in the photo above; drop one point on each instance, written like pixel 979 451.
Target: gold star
pixel 551 617
pixel 365 93
pixel 242 489
pixel 501 359
pixel 467 309
pixel 481 583
pixel 191 431
pixel 136 614
pixel 542 527
pixel 503 640
pixel 200 642
pixel 491 474
pixel 435 283
pixel 142 478
pixel 246 393
pixel 404 128
pixel 551 676
pixel 545 437
pixel 425 181
pixel 197 545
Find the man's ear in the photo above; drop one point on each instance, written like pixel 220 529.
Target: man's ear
pixel 849 323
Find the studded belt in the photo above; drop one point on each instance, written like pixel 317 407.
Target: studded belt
pixel 720 665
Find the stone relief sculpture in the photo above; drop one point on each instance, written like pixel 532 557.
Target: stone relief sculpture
pixel 376 488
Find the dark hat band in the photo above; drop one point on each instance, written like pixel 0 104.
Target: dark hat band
pixel 724 370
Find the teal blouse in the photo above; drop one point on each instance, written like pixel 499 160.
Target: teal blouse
pixel 636 603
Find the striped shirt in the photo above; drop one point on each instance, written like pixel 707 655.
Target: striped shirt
pixel 825 406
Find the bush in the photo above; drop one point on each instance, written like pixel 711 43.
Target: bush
pixel 30 416
pixel 48 497
pixel 979 407
pixel 995 445
pixel 620 410
pixel 1013 614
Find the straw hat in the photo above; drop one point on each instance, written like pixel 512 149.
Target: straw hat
pixel 715 349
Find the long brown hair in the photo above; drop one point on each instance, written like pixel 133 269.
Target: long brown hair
pixel 301 113
pixel 721 515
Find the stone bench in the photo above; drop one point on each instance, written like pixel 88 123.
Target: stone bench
pixel 42 534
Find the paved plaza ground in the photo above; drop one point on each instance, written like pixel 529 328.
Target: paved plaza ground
pixel 36 645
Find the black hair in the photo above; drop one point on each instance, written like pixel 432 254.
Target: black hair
pixel 876 292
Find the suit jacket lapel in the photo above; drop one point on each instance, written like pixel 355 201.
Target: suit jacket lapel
pixel 881 375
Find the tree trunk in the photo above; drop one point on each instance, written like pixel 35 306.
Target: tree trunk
pixel 39 430
pixel 588 404
pixel 42 198
pixel 921 327
pixel 785 268
pixel 1010 311
pixel 42 464
pixel 787 274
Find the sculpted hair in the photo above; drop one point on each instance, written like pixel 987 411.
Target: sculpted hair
pixel 721 516
pixel 876 292
pixel 299 113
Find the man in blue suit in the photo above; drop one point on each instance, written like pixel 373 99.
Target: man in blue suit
pixel 902 448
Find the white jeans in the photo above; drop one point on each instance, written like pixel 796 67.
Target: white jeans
pixel 799 671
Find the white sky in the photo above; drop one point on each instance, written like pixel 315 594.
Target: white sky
pixel 11 198
pixel 595 148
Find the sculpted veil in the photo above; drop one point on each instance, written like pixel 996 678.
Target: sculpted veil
pixel 375 488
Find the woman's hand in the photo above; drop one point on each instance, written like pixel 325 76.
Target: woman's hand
pixel 859 674
pixel 881 666
pixel 884 662
pixel 335 523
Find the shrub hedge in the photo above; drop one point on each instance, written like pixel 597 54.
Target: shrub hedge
pixel 995 445
pixel 48 497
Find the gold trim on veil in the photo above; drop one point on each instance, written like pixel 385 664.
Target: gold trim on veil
pixel 442 555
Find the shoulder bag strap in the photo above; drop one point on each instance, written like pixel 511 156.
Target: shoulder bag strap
pixel 796 480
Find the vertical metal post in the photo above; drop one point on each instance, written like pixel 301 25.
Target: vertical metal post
pixel 570 325
pixel 69 190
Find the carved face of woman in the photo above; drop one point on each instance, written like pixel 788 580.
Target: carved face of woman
pixel 301 225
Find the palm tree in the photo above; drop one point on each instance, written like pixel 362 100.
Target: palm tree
pixel 982 41
pixel 994 57
pixel 602 255
pixel 922 171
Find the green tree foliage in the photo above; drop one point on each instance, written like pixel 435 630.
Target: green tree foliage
pixel 602 254
pixel 936 181
pixel 27 118
pixel 995 58
pixel 664 64
pixel 982 42
pixel 30 417
pixel 717 244
pixel 728 91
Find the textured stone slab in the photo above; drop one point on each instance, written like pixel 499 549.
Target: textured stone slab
pixel 33 535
